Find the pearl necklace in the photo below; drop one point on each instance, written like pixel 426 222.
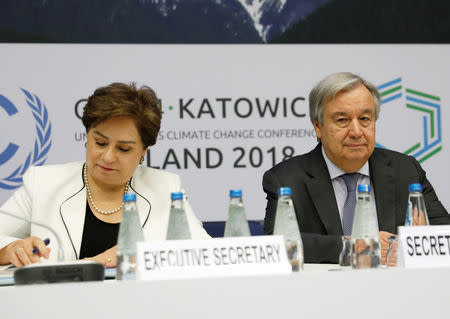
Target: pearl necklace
pixel 91 199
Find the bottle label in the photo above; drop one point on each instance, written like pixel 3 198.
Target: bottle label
pixel 212 257
pixel 424 246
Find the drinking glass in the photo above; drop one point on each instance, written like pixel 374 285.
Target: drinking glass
pixel 391 255
pixel 366 253
pixel 345 257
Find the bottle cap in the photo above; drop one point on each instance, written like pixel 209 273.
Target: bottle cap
pixel 363 188
pixel 284 191
pixel 128 197
pixel 415 187
pixel 177 195
pixel 235 193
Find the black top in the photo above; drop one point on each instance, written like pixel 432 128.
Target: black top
pixel 98 236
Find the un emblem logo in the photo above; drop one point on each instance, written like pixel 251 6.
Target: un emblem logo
pixel 37 153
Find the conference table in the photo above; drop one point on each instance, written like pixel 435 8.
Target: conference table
pixel 320 291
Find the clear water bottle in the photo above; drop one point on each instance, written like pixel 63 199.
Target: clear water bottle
pixel 178 225
pixel 416 212
pixel 365 234
pixel 237 224
pixel 286 224
pixel 130 232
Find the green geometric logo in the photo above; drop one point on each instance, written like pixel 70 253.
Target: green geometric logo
pixel 427 104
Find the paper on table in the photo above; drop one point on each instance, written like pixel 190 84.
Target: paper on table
pixel 7 276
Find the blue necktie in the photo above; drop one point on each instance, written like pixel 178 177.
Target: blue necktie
pixel 350 202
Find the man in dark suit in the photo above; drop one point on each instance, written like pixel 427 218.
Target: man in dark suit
pixel 343 110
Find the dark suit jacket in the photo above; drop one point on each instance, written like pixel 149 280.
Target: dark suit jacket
pixel 315 203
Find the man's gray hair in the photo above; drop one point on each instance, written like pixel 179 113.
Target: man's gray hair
pixel 330 86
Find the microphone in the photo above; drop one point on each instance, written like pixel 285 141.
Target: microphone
pixel 61 271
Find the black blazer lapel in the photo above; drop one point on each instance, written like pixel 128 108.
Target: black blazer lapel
pixel 322 192
pixel 383 179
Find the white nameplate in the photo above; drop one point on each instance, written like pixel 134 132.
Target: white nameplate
pixel 424 246
pixel 212 257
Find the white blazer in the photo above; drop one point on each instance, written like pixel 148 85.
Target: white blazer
pixel 55 195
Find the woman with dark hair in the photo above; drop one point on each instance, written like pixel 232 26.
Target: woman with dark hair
pixel 83 202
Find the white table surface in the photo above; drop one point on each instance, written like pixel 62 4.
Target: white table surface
pixel 318 293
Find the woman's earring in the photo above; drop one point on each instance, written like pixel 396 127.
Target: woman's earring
pixel 85 144
pixel 141 160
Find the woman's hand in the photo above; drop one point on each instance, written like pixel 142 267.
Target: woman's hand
pixel 107 258
pixel 20 252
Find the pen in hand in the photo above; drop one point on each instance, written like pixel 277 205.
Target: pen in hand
pixel 46 242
